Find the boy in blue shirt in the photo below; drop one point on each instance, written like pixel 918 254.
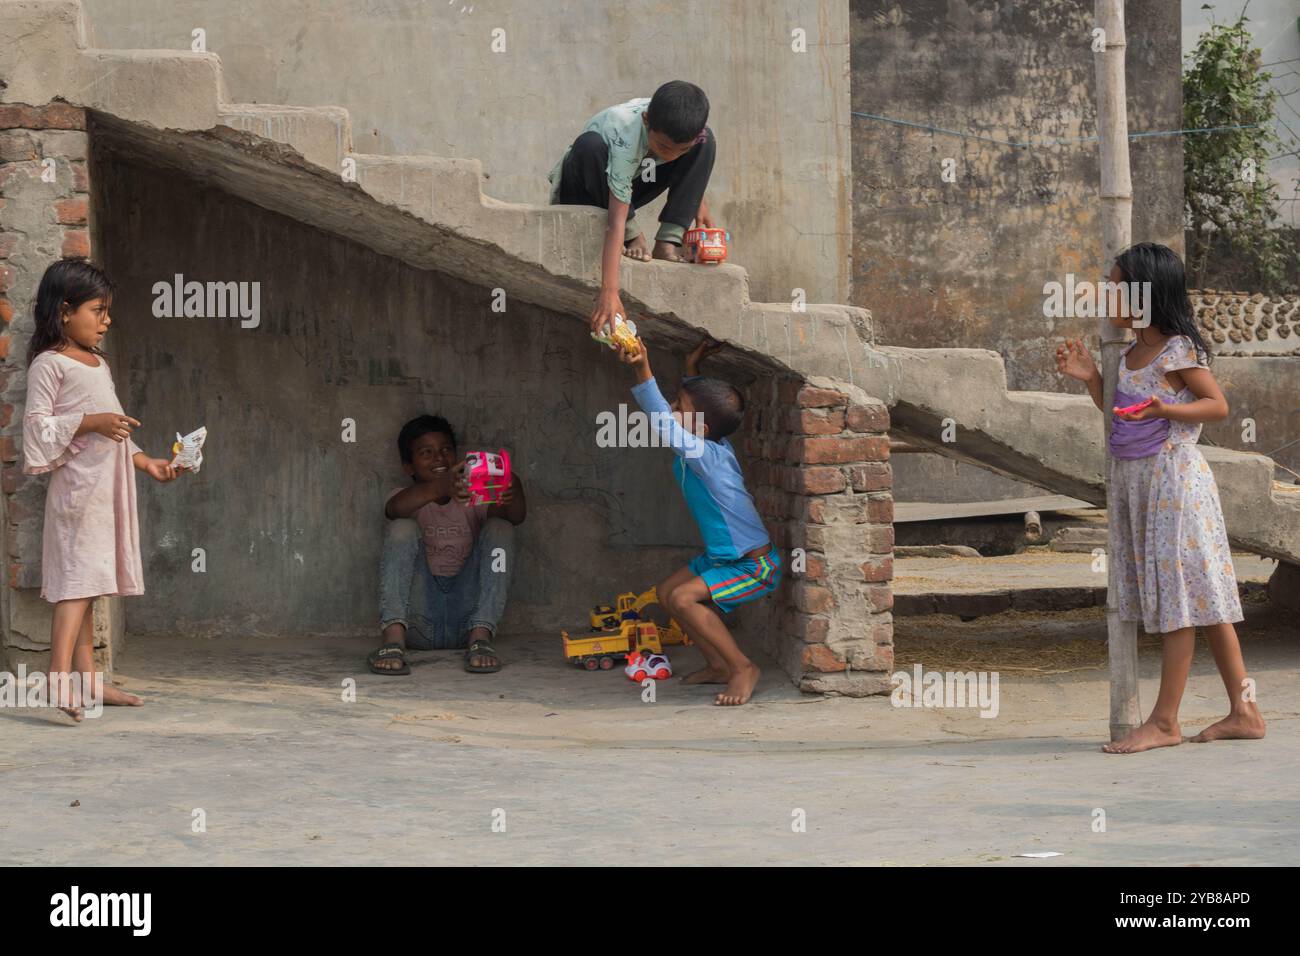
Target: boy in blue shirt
pixel 739 563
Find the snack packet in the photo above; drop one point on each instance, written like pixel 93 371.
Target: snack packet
pixel 622 334
pixel 187 451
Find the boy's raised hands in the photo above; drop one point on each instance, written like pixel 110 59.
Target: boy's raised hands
pixel 702 351
pixel 639 360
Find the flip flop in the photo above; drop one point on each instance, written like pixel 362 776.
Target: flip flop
pixel 387 652
pixel 481 648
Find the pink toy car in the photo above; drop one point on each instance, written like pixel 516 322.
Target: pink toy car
pixel 487 475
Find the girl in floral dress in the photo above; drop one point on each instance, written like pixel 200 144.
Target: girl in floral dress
pixel 75 430
pixel 1174 570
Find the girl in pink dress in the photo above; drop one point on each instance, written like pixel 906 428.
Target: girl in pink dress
pixel 1174 569
pixel 74 428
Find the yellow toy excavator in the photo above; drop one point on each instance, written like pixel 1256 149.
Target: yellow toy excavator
pixel 628 607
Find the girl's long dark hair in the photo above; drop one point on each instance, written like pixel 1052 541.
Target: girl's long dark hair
pixel 1170 307
pixel 66 286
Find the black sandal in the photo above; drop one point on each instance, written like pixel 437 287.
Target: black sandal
pixel 388 652
pixel 481 648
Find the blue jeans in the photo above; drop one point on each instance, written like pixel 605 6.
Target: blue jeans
pixel 439 612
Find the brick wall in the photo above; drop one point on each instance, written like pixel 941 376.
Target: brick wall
pixel 817 463
pixel 44 214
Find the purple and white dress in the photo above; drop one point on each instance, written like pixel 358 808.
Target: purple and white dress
pixel 1174 567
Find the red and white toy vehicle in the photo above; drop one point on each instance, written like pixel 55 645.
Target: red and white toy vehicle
pixel 706 245
pixel 640 666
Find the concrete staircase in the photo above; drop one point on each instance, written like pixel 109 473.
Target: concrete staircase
pixel 170 108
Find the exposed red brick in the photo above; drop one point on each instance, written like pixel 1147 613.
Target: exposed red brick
pixel 878 569
pixel 811 397
pixel 814 481
pixel 8 241
pixel 8 448
pixel 5 341
pixel 880 539
pixel 10 475
pixel 6 311
pixel 881 597
pixel 6 277
pixel 814 567
pixel 819 451
pixel 880 510
pixel 776 448
pixel 821 658
pixel 49 116
pixel 814 510
pixel 72 212
pixel 812 598
pixel 805 627
pixel 17 146
pixel 872 477
pixel 815 421
pixel 868 418
pixel 76 242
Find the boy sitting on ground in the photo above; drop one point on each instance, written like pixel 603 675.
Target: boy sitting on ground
pixel 739 563
pixel 625 157
pixel 457 556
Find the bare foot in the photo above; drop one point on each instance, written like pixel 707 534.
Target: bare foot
pixel 740 687
pixel 637 249
pixel 1147 737
pixel 70 704
pixel 114 696
pixel 1244 726
pixel 668 251
pixel 706 675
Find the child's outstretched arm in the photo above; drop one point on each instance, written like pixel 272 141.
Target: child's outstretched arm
pixel 608 302
pixel 1074 359
pixel 684 443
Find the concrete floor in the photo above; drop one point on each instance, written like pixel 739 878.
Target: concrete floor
pixel 254 732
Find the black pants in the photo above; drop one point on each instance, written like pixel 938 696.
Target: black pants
pixel 583 181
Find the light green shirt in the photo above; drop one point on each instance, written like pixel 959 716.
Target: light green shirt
pixel 623 130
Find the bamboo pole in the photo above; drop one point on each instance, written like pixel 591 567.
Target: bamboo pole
pixel 1116 235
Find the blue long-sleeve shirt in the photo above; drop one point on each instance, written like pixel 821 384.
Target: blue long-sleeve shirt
pixel 710 478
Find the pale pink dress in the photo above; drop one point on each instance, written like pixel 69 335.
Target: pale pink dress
pixel 91 544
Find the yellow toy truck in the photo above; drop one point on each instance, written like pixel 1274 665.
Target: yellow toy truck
pixel 618 630
pixel 603 649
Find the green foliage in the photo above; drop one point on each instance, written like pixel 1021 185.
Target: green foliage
pixel 1229 201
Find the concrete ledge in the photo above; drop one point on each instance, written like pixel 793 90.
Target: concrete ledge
pixel 323 135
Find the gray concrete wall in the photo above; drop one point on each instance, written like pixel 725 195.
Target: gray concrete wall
pixel 289 515
pixel 963 263
pixel 1265 389
pixel 419 76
